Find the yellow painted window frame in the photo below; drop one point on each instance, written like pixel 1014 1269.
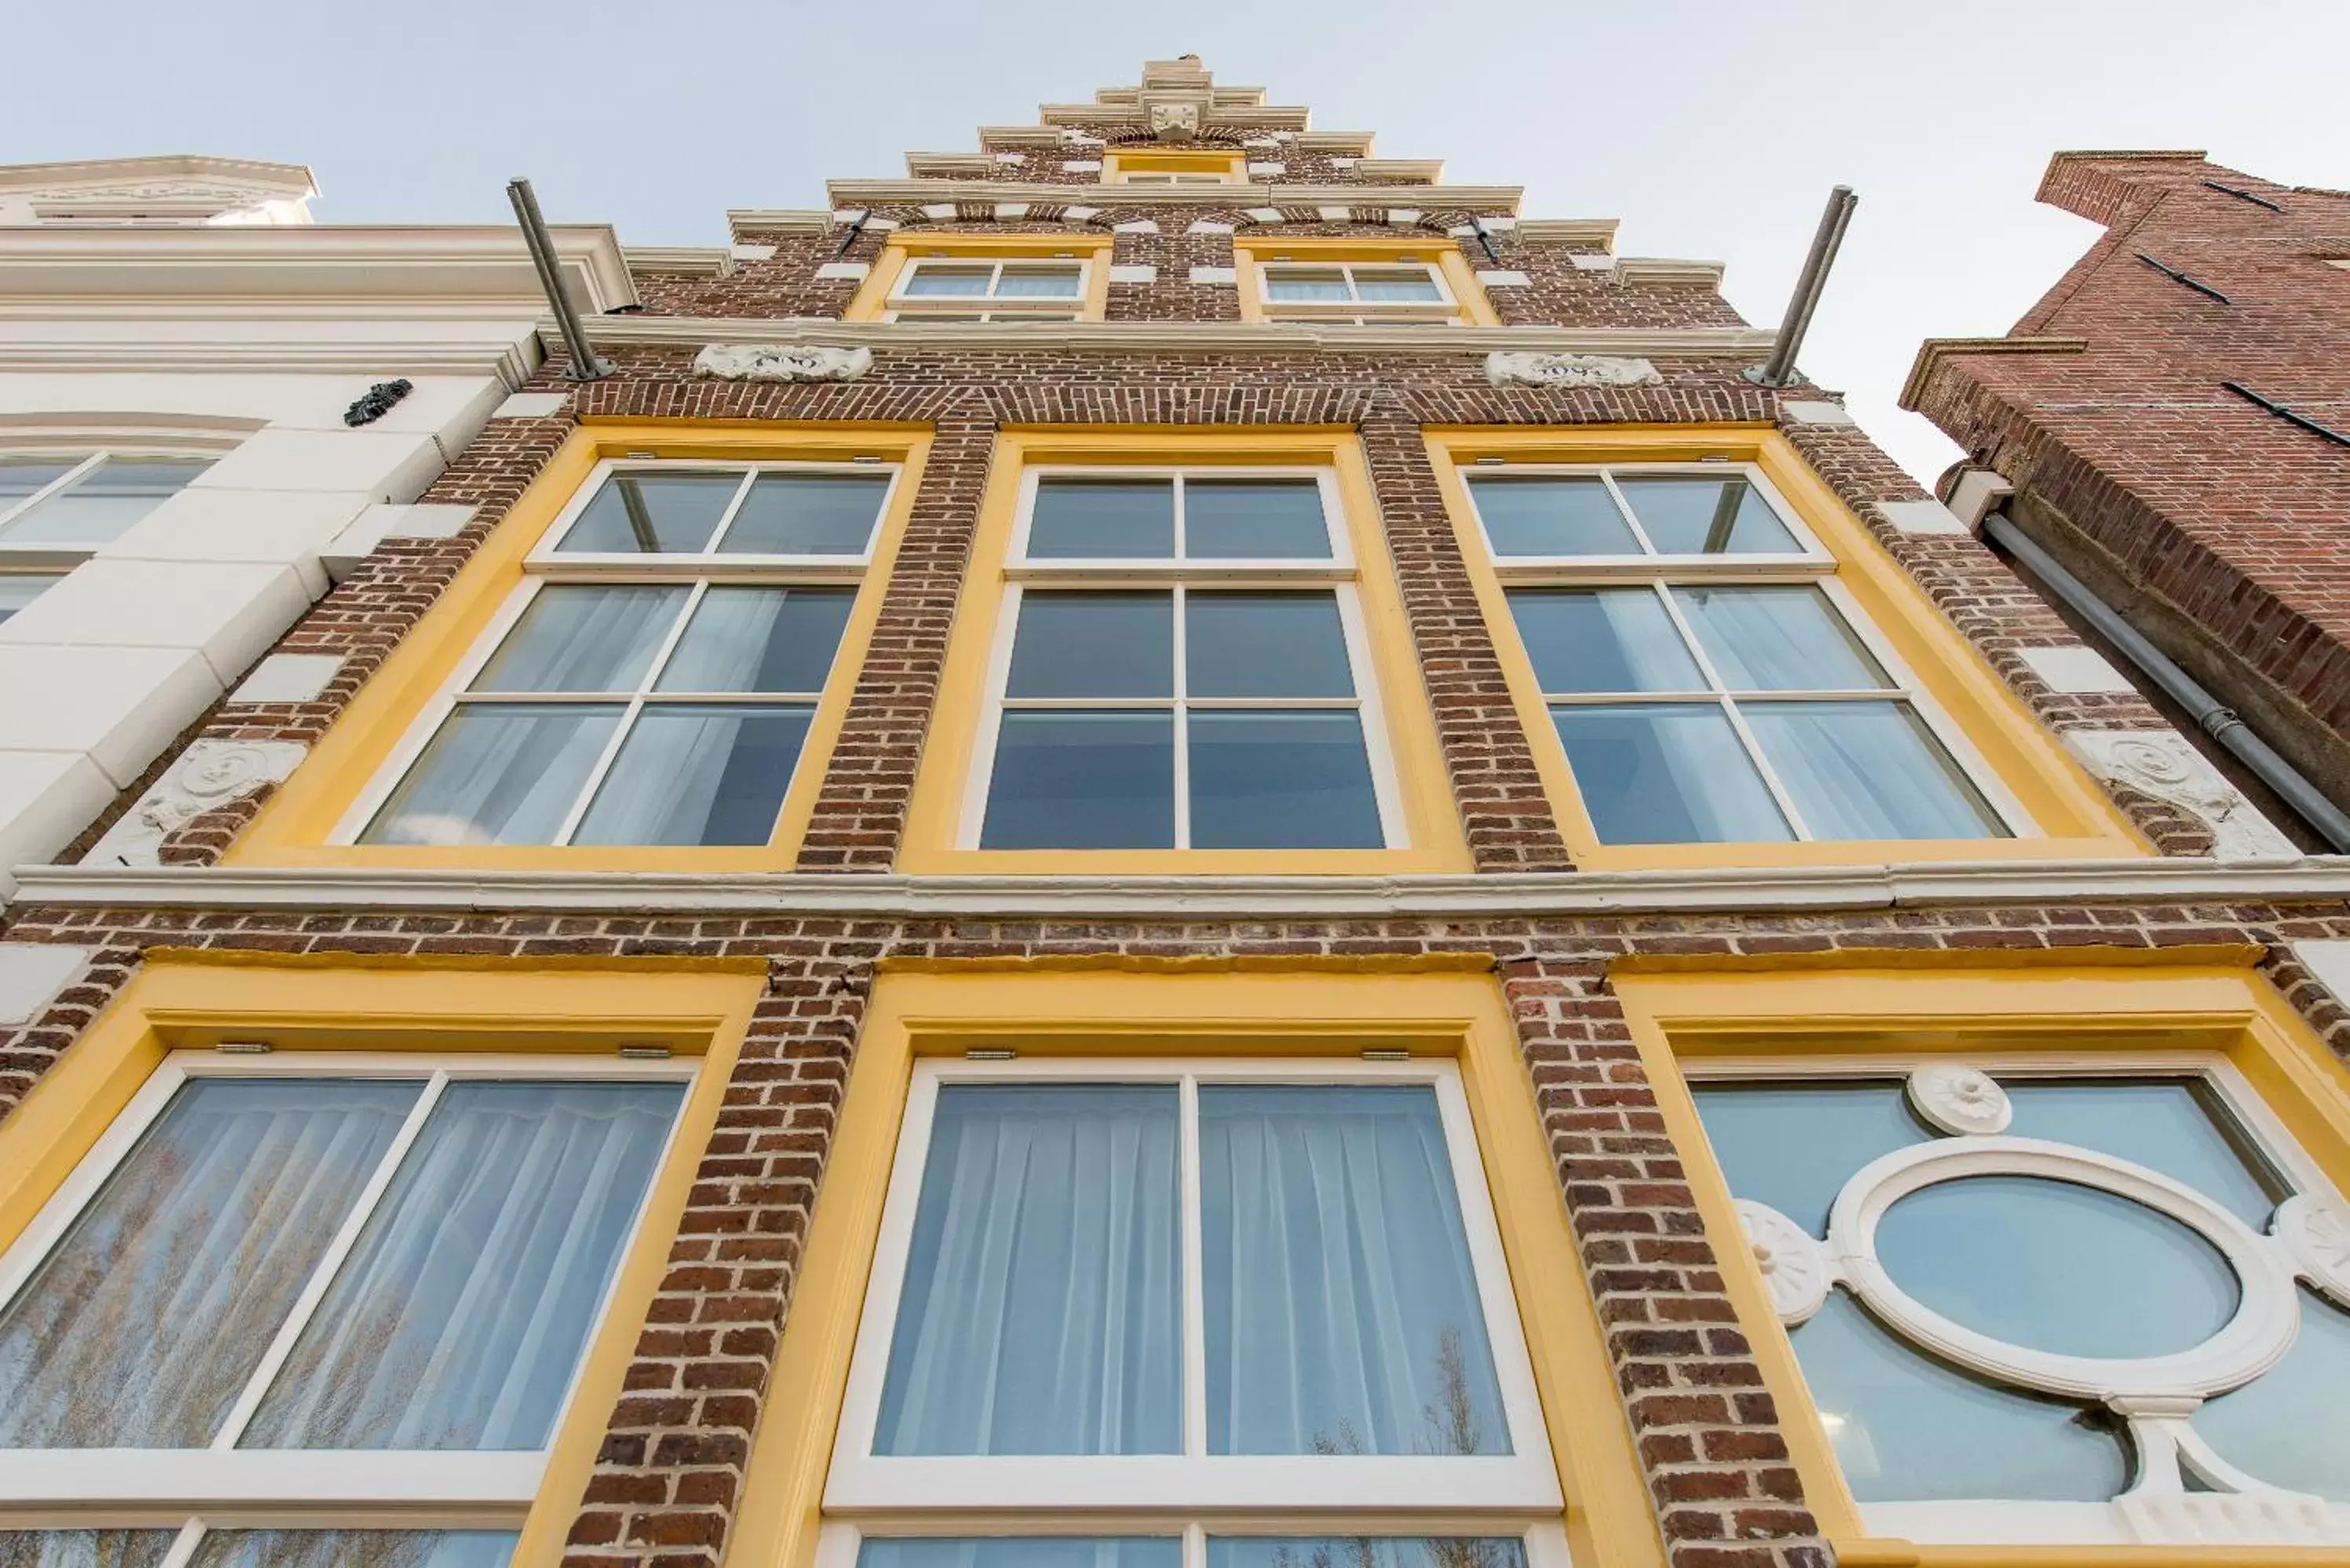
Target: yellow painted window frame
pixel 194 998
pixel 2075 820
pixel 1251 251
pixel 1119 163
pixel 1431 1008
pixel 872 299
pixel 1431 823
pixel 2201 1000
pixel 297 826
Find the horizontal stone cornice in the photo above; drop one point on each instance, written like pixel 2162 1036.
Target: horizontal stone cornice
pixel 1935 350
pixel 919 192
pixel 1174 336
pixel 2316 879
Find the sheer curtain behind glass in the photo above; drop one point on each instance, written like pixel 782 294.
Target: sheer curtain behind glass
pixel 458 1318
pixel 84 1548
pixel 151 1315
pixel 1043 1300
pixel 1342 1308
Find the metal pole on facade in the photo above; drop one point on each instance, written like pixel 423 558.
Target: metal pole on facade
pixel 585 365
pixel 1780 368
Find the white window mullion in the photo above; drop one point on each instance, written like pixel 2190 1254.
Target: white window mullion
pixel 1195 1298
pixel 1647 546
pixel 330 1262
pixel 621 730
pixel 1182 689
pixel 734 510
pixel 1195 1545
pixel 66 480
pixel 1183 542
pixel 1770 780
pixel 184 1544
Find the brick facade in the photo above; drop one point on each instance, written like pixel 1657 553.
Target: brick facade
pixel 2216 527
pixel 667 1486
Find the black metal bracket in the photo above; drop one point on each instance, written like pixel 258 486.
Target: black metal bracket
pixel 2280 411
pixel 2243 196
pixel 376 403
pixel 2175 275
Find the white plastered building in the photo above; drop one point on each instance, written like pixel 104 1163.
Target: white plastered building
pixel 186 459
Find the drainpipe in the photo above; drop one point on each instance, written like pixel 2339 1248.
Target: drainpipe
pixel 2214 717
pixel 585 365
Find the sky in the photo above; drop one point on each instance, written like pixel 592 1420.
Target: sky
pixel 1712 129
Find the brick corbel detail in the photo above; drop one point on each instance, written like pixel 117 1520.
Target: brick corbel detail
pixel 1504 811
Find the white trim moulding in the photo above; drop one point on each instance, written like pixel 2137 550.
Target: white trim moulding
pixel 898 192
pixel 2169 880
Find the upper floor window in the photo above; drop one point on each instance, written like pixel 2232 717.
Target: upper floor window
pixel 343 1296
pixel 1709 679
pixel 1011 289
pixel 2084 1296
pixel 1255 1304
pixel 1184 666
pixel 1360 291
pixel 655 679
pixel 72 504
pixel 1147 168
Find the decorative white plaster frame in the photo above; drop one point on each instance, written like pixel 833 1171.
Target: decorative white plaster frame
pixel 2160 762
pixel 1569 370
pixel 1958 1098
pixel 1796 1270
pixel 209 773
pixel 781 362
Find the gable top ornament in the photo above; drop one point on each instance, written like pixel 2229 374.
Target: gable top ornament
pixel 1175 122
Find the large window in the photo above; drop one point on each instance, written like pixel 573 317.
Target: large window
pixel 1406 289
pixel 292 1299
pixel 1708 679
pixel 655 679
pixel 1181 666
pixel 1261 1305
pixel 2051 1298
pixel 976 288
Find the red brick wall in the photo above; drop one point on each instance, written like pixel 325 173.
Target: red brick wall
pixel 2224 528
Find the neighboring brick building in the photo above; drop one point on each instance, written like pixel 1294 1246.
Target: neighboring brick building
pixel 2125 409
pixel 1166 847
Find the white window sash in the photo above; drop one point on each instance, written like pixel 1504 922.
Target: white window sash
pixel 543 557
pixel 1354 306
pixel 223 1474
pixel 1544 1538
pixel 1522 1483
pixel 1811 559
pixel 992 300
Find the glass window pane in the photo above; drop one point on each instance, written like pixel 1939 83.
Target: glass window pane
pixel 1281 780
pixel 2177 1128
pixel 1366 1552
pixel 1793 1146
pixel 1603 639
pixel 85 1548
pixel 1778 640
pixel 354 1549
pixel 1094 645
pixel 2292 1427
pixel 947 277
pixel 1689 515
pixel 1552 517
pixel 2057 1267
pixel 1908 1429
pixel 1666 773
pixel 1255 519
pixel 653 513
pixel 18 589
pixel 1103 519
pixel 1406 283
pixel 1869 770
pixel 1092 780
pixel 694 773
pixel 577 637
pixel 1037 282
pixel 104 505
pixel 1342 1309
pixel 759 640
pixel 144 1323
pixel 1265 645
pixel 21 476
pixel 1042 1312
pixel 460 1314
pixel 1298 282
pixel 807 514
pixel 497 773
pixel 1020 1551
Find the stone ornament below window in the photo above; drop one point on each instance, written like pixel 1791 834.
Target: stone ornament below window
pixel 781 362
pixel 1959 1099
pixel 1569 370
pixel 2316 1233
pixel 2161 764
pixel 1796 1268
pixel 208 774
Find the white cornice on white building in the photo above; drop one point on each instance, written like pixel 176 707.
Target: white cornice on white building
pixel 174 188
pixel 898 192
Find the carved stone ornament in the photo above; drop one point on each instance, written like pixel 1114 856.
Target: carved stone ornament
pixel 781 362
pixel 1569 370
pixel 2161 764
pixel 377 401
pixel 2316 1233
pixel 1796 1268
pixel 208 775
pixel 1174 121
pixel 1958 1098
